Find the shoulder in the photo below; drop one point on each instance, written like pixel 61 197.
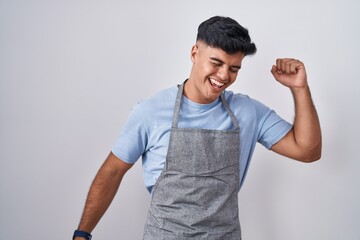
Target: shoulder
pixel 156 109
pixel 157 101
pixel 230 96
pixel 246 102
pixel 246 108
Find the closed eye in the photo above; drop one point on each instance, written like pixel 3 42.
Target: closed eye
pixel 234 69
pixel 216 64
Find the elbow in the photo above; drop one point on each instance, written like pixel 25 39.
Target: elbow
pixel 312 155
pixel 311 159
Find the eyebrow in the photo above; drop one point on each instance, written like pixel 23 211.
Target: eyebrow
pixel 220 61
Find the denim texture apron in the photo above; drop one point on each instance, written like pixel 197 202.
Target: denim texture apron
pixel 196 195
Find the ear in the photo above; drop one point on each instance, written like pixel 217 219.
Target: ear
pixel 194 52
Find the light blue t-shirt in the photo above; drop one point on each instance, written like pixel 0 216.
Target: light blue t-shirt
pixel 147 129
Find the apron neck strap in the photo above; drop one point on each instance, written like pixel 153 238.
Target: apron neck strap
pixel 231 114
pixel 178 104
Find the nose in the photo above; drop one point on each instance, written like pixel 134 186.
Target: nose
pixel 223 74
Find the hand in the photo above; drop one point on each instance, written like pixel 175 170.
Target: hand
pixel 290 72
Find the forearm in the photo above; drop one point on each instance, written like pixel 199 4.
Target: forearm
pixel 101 194
pixel 307 132
pixel 102 191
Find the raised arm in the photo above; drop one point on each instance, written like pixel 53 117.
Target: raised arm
pixel 102 192
pixel 303 142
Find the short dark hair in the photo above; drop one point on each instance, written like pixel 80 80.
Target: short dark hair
pixel 227 34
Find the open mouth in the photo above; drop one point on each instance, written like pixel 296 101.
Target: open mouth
pixel 215 83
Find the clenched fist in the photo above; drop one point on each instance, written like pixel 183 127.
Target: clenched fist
pixel 290 72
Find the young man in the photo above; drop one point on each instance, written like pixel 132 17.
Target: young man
pixel 196 140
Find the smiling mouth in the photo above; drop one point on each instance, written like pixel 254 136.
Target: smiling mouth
pixel 215 83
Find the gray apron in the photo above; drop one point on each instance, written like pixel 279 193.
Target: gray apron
pixel 196 195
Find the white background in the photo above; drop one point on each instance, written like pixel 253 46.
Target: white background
pixel 71 70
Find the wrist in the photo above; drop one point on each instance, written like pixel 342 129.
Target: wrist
pixel 299 88
pixel 79 234
pixel 301 92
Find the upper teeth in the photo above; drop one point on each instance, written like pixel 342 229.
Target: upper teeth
pixel 219 84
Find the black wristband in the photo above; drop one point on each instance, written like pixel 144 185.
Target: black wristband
pixel 83 234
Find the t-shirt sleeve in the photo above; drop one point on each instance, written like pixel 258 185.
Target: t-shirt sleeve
pixel 271 126
pixel 132 140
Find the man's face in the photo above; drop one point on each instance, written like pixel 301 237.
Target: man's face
pixel 213 70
